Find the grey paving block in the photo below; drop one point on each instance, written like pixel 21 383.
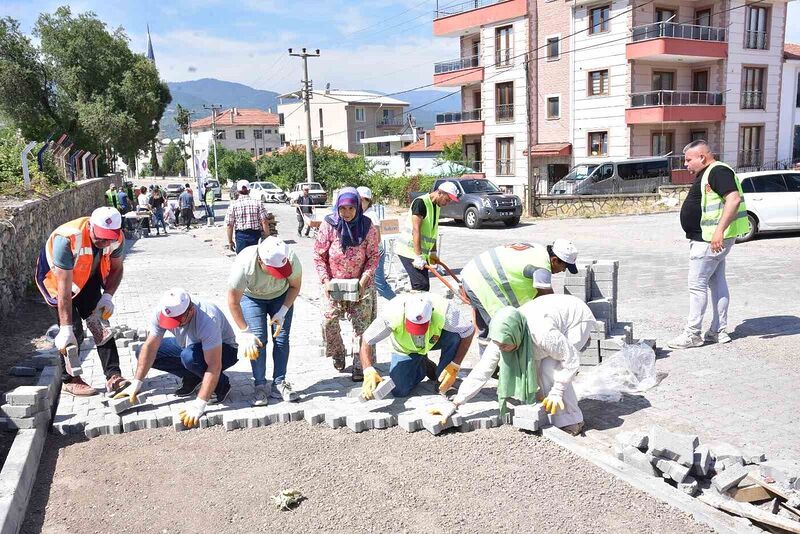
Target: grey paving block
pixel 601 308
pixel 215 418
pixel 752 455
pixel 314 416
pixel 723 451
pixel 689 486
pixel 19 423
pixel 21 370
pixel 724 481
pixel 633 438
pixel 335 420
pixel 121 405
pixel 382 421
pixel 409 421
pixel 11 411
pixel 673 446
pixel 639 460
pixel 26 395
pixel 703 464
pixel 672 470
pixel 68 424
pixel 434 425
pixel 727 463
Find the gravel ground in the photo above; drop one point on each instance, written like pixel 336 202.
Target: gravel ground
pixel 387 481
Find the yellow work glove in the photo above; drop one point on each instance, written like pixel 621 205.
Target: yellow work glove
pixel 553 402
pixel 131 391
pixel 448 377
pixel 446 413
pixel 371 381
pixel 248 344
pixel 191 414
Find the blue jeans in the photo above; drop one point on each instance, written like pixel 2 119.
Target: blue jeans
pixel 210 210
pixel 246 238
pixel 381 285
pixel 256 314
pixel 190 361
pixel 408 370
pixel 158 215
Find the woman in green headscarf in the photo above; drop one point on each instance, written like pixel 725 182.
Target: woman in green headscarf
pixel 509 331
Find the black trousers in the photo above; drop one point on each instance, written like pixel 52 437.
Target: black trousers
pixel 419 279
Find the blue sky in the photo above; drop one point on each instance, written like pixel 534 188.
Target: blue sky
pixel 378 44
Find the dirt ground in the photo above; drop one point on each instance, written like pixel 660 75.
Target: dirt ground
pixel 381 481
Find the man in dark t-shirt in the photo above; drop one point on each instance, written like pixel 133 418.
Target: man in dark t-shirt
pixel 717 181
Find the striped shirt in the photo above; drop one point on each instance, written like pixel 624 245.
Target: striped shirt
pixel 245 213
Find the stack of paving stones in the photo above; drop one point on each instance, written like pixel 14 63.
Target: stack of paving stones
pixel 597 284
pixel 27 407
pixel 273 224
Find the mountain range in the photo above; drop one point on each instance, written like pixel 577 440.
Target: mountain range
pixel 195 94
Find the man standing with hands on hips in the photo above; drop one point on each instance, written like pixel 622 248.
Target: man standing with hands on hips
pixel 712 216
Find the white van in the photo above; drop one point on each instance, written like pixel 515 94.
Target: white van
pixel 640 175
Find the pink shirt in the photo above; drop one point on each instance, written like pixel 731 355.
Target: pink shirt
pixel 332 262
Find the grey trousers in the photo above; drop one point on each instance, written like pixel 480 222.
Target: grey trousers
pixel 707 275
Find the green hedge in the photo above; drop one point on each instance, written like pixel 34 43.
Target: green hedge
pixel 11 179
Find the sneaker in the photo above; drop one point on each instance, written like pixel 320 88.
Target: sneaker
pixel 718 337
pixel 357 374
pixel 283 391
pixel 189 386
pixel 115 383
pixel 221 394
pixel 686 341
pixel 260 396
pixel 338 362
pixel 77 387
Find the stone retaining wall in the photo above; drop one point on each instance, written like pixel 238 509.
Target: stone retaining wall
pixel 669 198
pixel 25 225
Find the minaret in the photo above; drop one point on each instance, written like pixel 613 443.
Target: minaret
pixel 150 54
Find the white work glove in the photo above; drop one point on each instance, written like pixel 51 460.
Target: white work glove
pixel 191 414
pixel 130 391
pixel 248 344
pixel 419 263
pixel 65 337
pixel 106 306
pixel 279 317
pixel 555 399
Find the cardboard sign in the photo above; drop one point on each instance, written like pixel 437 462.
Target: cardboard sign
pixel 390 226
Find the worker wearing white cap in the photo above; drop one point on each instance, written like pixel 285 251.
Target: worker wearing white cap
pixel 416 246
pixel 417 324
pixel 78 271
pixel 203 346
pixel 246 220
pixel 262 287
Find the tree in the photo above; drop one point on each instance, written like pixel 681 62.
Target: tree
pixel 181 118
pixel 173 162
pixel 332 168
pixel 236 165
pixel 452 152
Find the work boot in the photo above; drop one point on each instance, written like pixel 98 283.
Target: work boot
pixel 686 341
pixel 713 338
pixel 189 386
pixel 78 388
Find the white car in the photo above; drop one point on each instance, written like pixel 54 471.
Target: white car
pixel 315 191
pixel 267 192
pixel 773 201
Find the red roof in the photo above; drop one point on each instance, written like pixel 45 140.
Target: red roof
pixel 241 117
pixel 549 149
pixel 791 51
pixel 436 143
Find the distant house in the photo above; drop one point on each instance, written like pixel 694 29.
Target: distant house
pixel 424 157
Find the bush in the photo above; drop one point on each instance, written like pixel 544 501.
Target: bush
pixel 11 178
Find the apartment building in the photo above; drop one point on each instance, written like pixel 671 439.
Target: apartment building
pixel 245 130
pixel 789 127
pixel 341 119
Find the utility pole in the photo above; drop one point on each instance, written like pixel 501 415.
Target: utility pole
pixel 214 108
pixel 306 95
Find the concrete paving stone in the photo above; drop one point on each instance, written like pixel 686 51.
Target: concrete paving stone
pixel 751 455
pixel 410 421
pixel 724 481
pixel 314 416
pixel 11 411
pixel 434 425
pixel 672 446
pixel 119 406
pixel 24 423
pixel 26 395
pixel 672 470
pixel 689 486
pixel 633 438
pixel 724 451
pixel 639 460
pixel 703 464
pixel 727 463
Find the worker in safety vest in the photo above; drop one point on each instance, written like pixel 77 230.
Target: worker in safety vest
pixel 111 196
pixel 712 216
pixel 511 275
pixel 416 246
pixel 417 324
pixel 78 271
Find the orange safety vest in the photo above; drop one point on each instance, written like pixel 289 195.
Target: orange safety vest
pixel 77 231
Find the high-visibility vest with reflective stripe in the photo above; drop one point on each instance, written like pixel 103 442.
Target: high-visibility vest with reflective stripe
pixel 712 205
pixel 111 199
pixel 503 276
pixel 402 341
pixel 428 231
pixel 77 232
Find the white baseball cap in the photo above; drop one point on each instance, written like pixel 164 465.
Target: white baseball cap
pixel 449 188
pixel 566 251
pixel 364 192
pixel 274 254
pixel 106 223
pixel 172 305
pixel 419 309
pixel 242 185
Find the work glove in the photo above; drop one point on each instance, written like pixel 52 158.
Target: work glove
pixel 130 391
pixel 446 413
pixel 65 338
pixel 191 414
pixel 106 306
pixel 248 344
pixel 371 381
pixel 419 263
pixel 554 400
pixel 278 319
pixel 448 377
pixel 433 258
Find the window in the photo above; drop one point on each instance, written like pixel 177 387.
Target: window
pixel 661 143
pixel 280 119
pixel 360 134
pixel 755 32
pixel 792 181
pixel 502 42
pixel 504 96
pixel 702 17
pixel 260 151
pixel 321 122
pixel 241 150
pixel 642 170
pixel 769 183
pixel 553 47
pixel 239 134
pixel 252 151
pixel 598 143
pixel 598 19
pixel 221 135
pixel 283 139
pixel 505 156
pixel 750 146
pixel 553 107
pixel 696 135
pixel 598 82
pixel 258 134
pixel 321 138
pixel 665 15
pixel 360 115
pixel 797 96
pixel 700 80
pixel 753 87
pixel 663 81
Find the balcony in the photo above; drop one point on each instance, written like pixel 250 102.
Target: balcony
pixel 675 106
pixel 755 40
pixel 451 20
pixel 459 123
pixel 390 122
pixel 670 41
pixel 458 72
pixel 752 100
pixel 504 113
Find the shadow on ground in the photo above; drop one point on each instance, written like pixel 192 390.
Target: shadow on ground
pixel 768 327
pixel 600 415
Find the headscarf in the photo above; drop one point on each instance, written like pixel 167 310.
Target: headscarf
pixel 517 368
pixel 353 233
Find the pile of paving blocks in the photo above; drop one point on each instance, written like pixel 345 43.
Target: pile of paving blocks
pixel 344 289
pixel 597 284
pixel 127 336
pixel 28 407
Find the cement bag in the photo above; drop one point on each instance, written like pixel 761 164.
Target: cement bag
pixel 631 370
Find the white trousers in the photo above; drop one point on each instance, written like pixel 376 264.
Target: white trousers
pixel 571 413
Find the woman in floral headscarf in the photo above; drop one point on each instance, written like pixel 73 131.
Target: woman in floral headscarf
pixel 346 247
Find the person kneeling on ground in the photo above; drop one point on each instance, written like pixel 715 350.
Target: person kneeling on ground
pixel 203 347
pixel 549 331
pixel 417 323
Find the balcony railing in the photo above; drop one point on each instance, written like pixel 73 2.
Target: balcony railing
pixel 505 167
pixel 752 100
pixel 676 98
pixel 391 121
pixel 755 40
pixel 458 116
pixel 750 158
pixel 446 10
pixel 503 58
pixel 463 167
pixel 657 30
pixel 444 67
pixel 504 112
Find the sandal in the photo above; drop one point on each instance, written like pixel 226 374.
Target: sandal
pixel 115 383
pixel 338 362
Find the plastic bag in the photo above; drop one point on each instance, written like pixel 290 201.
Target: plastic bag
pixel 631 370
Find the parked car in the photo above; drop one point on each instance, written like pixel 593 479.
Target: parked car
pixel 773 201
pixel 640 175
pixel 479 201
pixel 267 192
pixel 213 184
pixel 315 191
pixel 173 190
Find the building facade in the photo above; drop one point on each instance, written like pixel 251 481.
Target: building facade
pixel 789 127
